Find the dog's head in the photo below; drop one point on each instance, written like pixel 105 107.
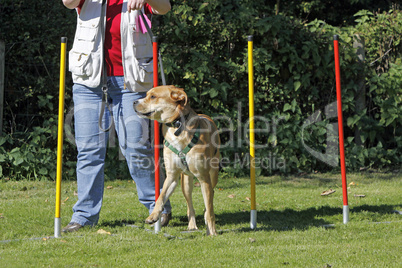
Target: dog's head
pixel 163 104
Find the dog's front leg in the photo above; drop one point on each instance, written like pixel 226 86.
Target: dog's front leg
pixel 168 187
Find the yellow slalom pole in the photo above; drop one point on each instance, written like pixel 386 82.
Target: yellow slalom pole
pixel 253 213
pixel 57 222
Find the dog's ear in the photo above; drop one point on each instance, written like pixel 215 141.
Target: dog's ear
pixel 178 95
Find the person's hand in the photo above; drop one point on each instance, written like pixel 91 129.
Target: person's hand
pixel 135 4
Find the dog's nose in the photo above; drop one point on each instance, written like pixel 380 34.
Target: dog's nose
pixel 135 102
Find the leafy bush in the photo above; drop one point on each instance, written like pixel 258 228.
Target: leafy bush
pixel 31 33
pixel 205 51
pixel 381 121
pixel 31 156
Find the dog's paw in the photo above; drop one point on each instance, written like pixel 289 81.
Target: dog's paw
pixel 192 228
pixel 211 232
pixel 152 219
pixel 192 225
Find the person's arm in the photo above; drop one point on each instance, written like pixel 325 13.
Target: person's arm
pixel 159 7
pixel 71 4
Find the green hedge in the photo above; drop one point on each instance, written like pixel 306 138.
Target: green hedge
pixel 205 51
pixel 204 48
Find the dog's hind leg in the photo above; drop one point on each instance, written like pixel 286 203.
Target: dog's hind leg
pixel 214 171
pixel 208 194
pixel 187 188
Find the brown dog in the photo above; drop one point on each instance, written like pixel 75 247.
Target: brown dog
pixel 191 150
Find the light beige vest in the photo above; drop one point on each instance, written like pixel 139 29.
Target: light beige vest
pixel 85 58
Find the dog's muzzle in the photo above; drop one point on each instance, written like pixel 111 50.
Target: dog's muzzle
pixel 135 104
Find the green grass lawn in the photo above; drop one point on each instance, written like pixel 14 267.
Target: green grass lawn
pixel 291 215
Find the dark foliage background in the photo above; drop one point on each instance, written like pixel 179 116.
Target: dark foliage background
pixel 204 48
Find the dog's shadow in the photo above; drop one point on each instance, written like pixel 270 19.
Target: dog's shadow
pixel 271 220
pixel 290 219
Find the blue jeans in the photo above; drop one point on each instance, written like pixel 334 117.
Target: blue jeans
pixel 133 135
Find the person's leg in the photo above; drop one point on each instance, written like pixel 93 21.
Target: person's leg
pixel 133 134
pixel 91 145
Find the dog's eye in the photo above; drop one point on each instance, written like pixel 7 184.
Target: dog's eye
pixel 153 97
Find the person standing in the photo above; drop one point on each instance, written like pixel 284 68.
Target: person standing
pixel 111 65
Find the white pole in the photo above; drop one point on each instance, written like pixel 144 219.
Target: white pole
pixel 57 227
pixel 158 226
pixel 346 214
pixel 253 219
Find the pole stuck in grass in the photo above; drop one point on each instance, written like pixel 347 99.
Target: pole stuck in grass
pixel 253 212
pixel 340 130
pixel 157 225
pixel 62 85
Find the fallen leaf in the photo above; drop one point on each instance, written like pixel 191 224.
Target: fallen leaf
pixel 248 198
pixel 109 187
pixel 101 231
pixel 252 240
pixel 197 184
pixel 75 193
pixel 66 199
pixel 360 195
pixel 47 200
pixel 231 196
pixel 328 192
